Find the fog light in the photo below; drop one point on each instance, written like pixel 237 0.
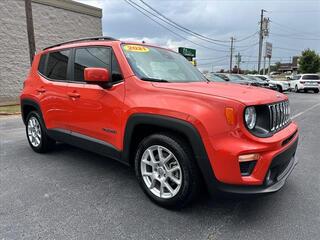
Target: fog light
pixel 247 162
pixel 249 157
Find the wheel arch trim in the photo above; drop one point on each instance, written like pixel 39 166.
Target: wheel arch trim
pixel 173 124
pixel 29 102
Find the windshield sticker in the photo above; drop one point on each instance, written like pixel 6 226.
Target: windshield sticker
pixel 136 48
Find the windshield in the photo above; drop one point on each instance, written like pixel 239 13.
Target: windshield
pixel 157 64
pixel 214 78
pixel 235 78
pixel 256 79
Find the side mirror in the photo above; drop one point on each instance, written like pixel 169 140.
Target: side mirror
pixel 98 76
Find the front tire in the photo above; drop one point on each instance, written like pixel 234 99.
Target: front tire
pixel 37 136
pixel 316 91
pixel 166 170
pixel 279 88
pixel 296 89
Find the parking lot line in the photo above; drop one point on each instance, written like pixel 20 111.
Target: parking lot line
pixel 308 109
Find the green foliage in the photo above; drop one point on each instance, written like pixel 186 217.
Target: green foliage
pixel 309 62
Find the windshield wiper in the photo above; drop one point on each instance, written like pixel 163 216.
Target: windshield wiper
pixel 153 79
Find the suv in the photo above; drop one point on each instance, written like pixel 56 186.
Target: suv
pixel 305 82
pixel 281 85
pixel 149 108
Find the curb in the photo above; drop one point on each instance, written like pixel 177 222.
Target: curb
pixel 9 114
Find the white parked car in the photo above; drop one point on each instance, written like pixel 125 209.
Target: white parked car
pixel 305 82
pixel 282 86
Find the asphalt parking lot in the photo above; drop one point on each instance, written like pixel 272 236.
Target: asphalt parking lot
pixel 73 194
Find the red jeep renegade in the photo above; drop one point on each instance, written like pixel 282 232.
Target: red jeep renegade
pixel 148 107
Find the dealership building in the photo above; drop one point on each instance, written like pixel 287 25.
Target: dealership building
pixel 54 21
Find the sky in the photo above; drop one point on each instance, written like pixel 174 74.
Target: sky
pixel 294 26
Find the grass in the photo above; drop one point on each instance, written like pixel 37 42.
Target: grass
pixel 10 109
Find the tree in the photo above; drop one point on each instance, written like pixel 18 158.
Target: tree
pixel 309 62
pixel 275 67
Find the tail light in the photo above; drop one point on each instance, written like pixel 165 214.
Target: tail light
pixel 302 82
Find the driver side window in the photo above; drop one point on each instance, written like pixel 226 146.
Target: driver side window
pixel 99 57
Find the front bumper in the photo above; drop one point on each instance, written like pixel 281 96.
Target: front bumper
pixel 280 169
pixel 271 170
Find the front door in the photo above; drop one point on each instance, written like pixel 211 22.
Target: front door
pixel 96 112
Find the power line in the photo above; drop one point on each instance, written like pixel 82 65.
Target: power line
pixel 177 26
pixel 298 38
pixel 248 37
pixel 213 58
pixel 249 47
pixel 182 27
pixel 290 29
pixel 246 46
pixel 187 30
pixel 299 11
pixel 288 49
pixel 162 25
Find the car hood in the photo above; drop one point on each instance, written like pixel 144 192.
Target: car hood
pixel 247 95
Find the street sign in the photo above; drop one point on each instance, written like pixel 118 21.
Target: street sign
pixel 268 52
pixel 187 52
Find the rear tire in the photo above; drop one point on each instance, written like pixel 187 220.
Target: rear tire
pixel 36 133
pixel 166 170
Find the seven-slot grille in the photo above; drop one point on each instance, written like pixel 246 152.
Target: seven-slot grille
pixel 279 115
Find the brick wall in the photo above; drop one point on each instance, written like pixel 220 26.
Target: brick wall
pixel 51 25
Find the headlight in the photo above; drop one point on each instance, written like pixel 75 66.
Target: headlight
pixel 250 117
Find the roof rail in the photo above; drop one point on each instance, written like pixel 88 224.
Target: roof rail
pixel 105 38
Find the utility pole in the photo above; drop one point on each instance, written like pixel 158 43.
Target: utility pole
pixel 269 66
pixel 260 40
pixel 30 30
pixel 231 53
pixel 238 57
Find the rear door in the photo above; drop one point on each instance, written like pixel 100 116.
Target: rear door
pixel 96 112
pixel 54 71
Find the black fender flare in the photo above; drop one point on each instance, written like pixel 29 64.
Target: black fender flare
pixel 29 102
pixel 175 125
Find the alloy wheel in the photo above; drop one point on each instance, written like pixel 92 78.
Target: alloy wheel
pixel 161 172
pixel 34 131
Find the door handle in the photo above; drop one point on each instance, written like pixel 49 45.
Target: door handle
pixel 41 90
pixel 73 94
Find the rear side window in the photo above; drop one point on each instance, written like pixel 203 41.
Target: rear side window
pixel 41 67
pixel 311 77
pixel 58 65
pixel 90 57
